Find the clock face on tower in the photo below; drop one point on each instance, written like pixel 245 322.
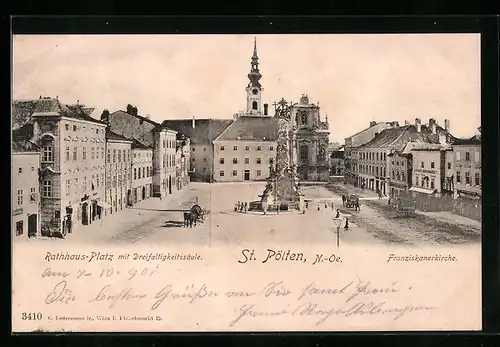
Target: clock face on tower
pixel 255 91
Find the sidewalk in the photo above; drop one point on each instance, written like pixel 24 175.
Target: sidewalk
pixel 448 217
pixel 131 217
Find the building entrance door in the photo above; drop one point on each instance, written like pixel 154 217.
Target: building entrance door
pixel 32 222
pixel 247 175
pixel 143 193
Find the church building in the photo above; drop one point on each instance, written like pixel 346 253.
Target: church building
pixel 246 149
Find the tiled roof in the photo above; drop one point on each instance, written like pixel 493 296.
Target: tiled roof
pixel 139 145
pixel 23 110
pixel 204 132
pixel 359 132
pixel 133 127
pixel 24 146
pixel 397 138
pixel 251 128
pixel 110 135
pixel 144 119
pixel 81 113
pixel 473 141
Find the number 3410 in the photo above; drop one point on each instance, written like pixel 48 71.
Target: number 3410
pixel 31 316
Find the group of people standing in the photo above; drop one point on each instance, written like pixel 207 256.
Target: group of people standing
pixel 241 207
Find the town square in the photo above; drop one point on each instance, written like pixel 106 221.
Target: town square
pixel 281 169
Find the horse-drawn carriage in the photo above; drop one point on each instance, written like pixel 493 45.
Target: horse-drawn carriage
pixel 352 200
pixel 194 215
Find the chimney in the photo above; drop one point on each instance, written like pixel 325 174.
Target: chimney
pixel 193 123
pixel 432 125
pixel 407 123
pixel 265 109
pixel 447 125
pixel 442 138
pixel 418 124
pixel 395 124
pixel 373 123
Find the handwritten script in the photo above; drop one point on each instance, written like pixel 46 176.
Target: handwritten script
pixel 312 300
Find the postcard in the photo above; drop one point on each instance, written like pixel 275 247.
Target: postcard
pixel 246 183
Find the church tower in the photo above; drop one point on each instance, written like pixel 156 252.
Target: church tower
pixel 254 88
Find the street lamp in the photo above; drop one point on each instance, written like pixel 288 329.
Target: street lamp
pixel 338 222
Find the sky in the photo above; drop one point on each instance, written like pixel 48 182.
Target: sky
pixel 356 78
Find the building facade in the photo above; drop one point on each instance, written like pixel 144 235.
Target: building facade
pixel 429 169
pixel 118 172
pixel 373 164
pixel 337 166
pixel 162 139
pixel 201 133
pixel 467 163
pixel 182 162
pixel 164 161
pixel 400 170
pixel 312 137
pixel 237 160
pixel 142 172
pixel 25 191
pixel 72 168
pixel 353 143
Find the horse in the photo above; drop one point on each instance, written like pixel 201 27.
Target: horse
pixel 189 219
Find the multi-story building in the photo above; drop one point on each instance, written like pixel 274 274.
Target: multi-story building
pixel 118 171
pixel 72 169
pixel 201 134
pixel 400 171
pixel 164 161
pixel 182 165
pixel 142 172
pixel 246 150
pixel 25 190
pixel 372 160
pixel 429 168
pixel 162 139
pixel 353 143
pixel 337 166
pixel 467 163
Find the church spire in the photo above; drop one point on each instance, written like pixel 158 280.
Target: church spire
pixel 255 56
pixel 254 76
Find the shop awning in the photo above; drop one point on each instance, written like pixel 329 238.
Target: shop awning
pixel 422 190
pixel 103 204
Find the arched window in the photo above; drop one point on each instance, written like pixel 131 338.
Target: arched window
pixel 47 150
pixel 254 105
pixel 304 153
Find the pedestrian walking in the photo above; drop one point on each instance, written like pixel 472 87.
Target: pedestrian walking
pixel 346 224
pixel 343 199
pixel 338 214
pixel 307 205
pixel 358 208
pixel 326 204
pixel 161 196
pixel 332 206
pixel 246 206
pixel 318 207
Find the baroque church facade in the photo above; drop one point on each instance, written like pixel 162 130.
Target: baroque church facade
pixel 255 127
